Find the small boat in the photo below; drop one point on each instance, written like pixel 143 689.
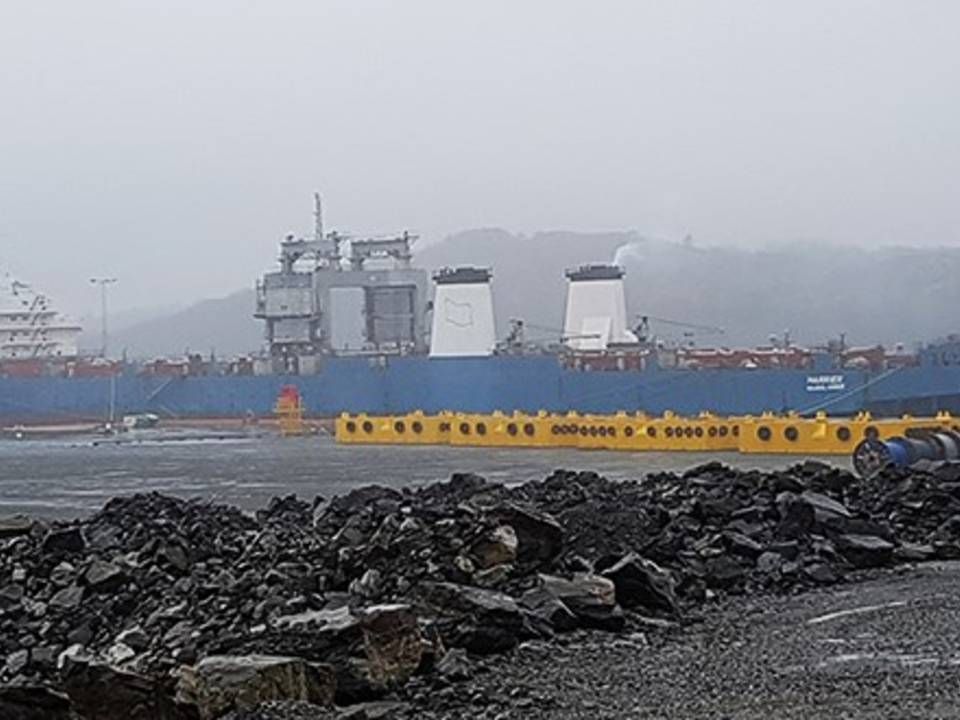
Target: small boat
pixel 140 421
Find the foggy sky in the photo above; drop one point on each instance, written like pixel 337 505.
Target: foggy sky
pixel 172 144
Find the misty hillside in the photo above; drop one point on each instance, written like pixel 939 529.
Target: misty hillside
pixel 885 295
pixel 120 321
pixel 816 292
pixel 225 326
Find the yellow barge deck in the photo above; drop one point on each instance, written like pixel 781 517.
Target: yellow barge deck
pixel 764 434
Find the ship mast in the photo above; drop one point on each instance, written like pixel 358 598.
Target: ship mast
pixel 317 220
pixel 317 217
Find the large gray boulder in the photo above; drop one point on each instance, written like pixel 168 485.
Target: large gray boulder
pixel 15 525
pixel 826 510
pixel 539 535
pixel 498 547
pixel 99 691
pixel 478 620
pixel 373 650
pixel 34 702
pixel 590 597
pixel 392 645
pixel 546 608
pixel 221 683
pixel 64 540
pixel 638 581
pixel 864 551
pixel 104 577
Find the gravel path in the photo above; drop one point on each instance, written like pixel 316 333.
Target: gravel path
pixel 885 648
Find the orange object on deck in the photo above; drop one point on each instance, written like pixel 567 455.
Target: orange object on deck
pixel 289 411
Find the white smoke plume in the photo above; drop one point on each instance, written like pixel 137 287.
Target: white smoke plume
pixel 631 251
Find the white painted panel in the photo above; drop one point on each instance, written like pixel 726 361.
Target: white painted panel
pixel 588 300
pixel 463 323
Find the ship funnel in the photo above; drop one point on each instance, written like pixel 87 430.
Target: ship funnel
pixel 596 314
pixel 463 323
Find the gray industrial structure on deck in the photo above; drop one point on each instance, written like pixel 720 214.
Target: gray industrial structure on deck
pixel 321 303
pixel 315 306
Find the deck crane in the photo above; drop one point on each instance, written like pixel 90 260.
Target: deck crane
pixel 642 330
pixel 517 335
pixel 518 326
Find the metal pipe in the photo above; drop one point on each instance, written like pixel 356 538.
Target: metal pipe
pixel 873 455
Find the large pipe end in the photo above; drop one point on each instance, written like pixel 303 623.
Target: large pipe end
pixel 871 456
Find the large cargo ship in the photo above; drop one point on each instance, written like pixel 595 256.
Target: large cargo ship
pixel 367 331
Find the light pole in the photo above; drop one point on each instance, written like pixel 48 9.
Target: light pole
pixel 103 283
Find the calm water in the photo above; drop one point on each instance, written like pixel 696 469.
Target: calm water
pixel 66 478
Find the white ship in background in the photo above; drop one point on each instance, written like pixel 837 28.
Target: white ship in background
pixel 31 327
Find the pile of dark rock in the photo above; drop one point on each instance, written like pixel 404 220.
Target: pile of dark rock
pixel 157 607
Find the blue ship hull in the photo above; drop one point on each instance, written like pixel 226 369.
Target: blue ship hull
pixel 526 383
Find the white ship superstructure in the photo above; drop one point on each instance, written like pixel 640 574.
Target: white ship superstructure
pixel 596 314
pixel 463 323
pixel 30 326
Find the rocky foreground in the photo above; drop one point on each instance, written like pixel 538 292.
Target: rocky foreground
pixel 401 603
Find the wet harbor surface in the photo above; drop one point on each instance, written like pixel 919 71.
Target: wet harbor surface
pixel 68 478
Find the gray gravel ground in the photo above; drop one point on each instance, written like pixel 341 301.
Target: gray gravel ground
pixel 888 647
